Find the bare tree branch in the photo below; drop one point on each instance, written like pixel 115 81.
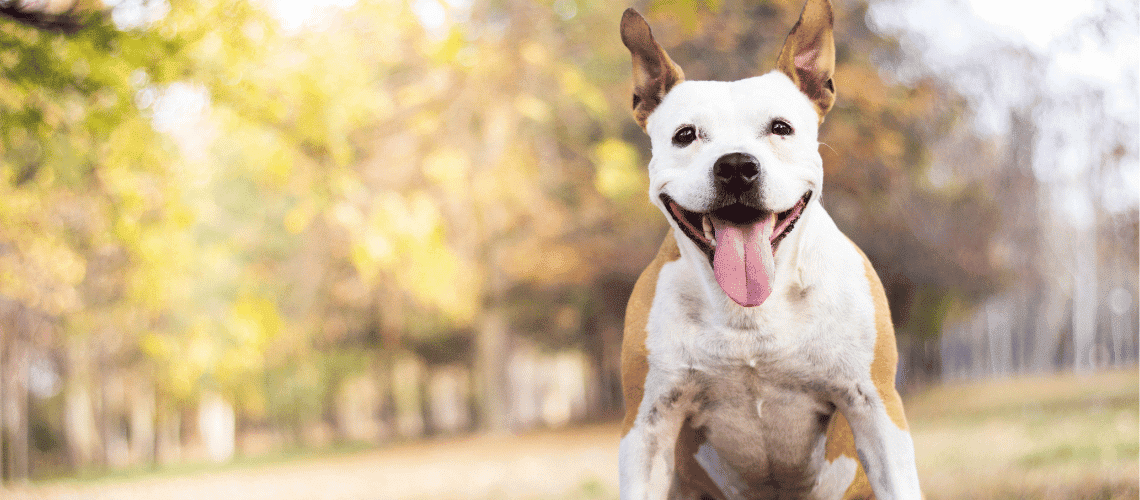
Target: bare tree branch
pixel 66 16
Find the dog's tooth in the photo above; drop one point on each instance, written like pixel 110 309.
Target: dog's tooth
pixel 707 226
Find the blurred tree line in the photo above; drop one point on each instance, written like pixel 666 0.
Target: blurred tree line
pixel 1055 145
pixel 219 235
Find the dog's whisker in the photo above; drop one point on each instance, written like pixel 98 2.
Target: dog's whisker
pixel 828 147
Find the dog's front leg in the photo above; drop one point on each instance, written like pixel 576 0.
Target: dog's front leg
pixel 882 441
pixel 646 454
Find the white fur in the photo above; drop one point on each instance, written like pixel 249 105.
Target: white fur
pixel 835 477
pixel 734 117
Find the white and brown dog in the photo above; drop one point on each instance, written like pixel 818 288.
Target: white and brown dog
pixel 759 356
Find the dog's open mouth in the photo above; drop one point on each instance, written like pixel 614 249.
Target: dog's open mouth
pixel 740 242
pixel 699 227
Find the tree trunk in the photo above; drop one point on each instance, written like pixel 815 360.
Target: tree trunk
pixel 491 364
pixel 1084 301
pixel 406 383
pixel 217 426
pixel 15 397
pixel 1049 328
pixel 142 438
pixel 168 442
pixel 82 437
pixel 7 324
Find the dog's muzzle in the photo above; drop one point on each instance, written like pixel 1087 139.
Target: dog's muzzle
pixel 739 239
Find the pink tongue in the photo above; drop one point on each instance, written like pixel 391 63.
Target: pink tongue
pixel 743 261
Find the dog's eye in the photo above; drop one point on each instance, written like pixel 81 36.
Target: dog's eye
pixel 781 127
pixel 684 136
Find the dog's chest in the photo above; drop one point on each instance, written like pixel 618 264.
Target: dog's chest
pixel 763 432
pixel 764 383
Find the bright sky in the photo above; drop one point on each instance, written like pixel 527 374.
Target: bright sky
pixel 961 41
pixel 1104 66
pixel 294 13
pixel 1035 21
pixel 952 32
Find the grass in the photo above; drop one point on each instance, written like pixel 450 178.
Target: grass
pixel 1056 437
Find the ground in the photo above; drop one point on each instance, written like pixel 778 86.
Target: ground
pixel 1058 437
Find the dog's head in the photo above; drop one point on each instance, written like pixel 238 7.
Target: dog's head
pixel 736 163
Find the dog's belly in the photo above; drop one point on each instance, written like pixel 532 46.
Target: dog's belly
pixel 764 434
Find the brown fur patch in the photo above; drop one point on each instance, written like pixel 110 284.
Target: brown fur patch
pixel 689 471
pixel 634 365
pixel 886 359
pixel 841 442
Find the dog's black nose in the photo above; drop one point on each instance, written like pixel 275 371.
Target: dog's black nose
pixel 736 172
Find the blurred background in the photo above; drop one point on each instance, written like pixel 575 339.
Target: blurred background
pixel 339 249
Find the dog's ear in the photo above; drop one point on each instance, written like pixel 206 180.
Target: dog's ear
pixel 808 56
pixel 653 72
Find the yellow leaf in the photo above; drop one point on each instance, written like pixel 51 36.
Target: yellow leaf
pixel 532 107
pixel 299 217
pixel 618 170
pixel 279 166
pixel 365 265
pixel 154 345
pixel 534 53
pixel 449 48
pixel 254 320
pixel 448 167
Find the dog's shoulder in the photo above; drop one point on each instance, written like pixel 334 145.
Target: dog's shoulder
pixel 885 362
pixel 634 354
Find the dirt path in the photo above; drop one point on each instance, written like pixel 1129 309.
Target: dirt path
pixel 580 463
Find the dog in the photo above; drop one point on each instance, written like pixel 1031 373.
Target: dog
pixel 759 357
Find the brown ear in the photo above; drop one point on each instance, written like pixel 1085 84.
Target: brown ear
pixel 653 72
pixel 808 56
